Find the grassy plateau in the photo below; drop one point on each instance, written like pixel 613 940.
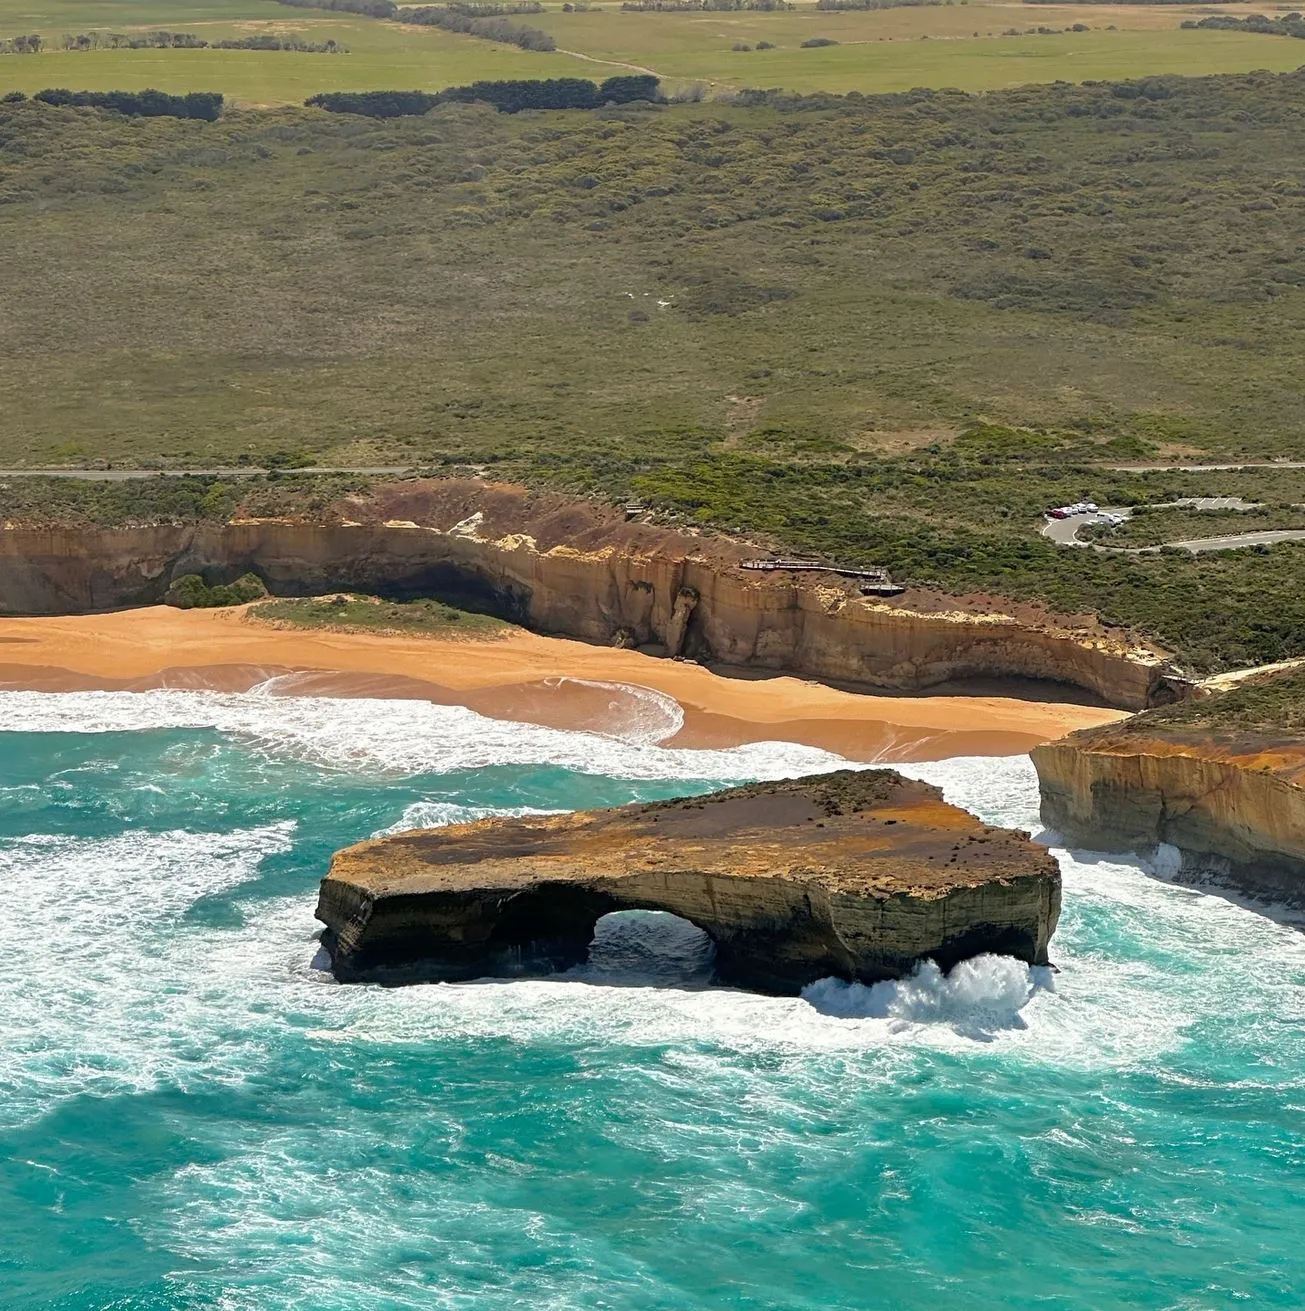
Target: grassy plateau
pixel 886 329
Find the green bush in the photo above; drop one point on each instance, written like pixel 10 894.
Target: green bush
pixel 191 592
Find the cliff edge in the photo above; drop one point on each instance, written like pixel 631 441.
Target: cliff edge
pixel 1221 780
pixel 583 569
pixel 858 874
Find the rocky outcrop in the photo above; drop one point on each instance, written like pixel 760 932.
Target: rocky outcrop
pixel 856 874
pixel 579 569
pixel 1221 801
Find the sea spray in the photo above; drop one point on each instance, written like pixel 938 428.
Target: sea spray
pixel 977 995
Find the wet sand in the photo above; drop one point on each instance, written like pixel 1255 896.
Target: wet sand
pixel 521 677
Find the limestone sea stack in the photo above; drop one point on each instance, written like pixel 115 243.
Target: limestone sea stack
pixel 1220 781
pixel 856 874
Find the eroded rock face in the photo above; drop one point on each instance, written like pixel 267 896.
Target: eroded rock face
pixel 578 569
pixel 1232 803
pixel 856 874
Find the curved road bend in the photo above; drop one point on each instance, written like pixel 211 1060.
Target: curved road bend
pixel 1064 532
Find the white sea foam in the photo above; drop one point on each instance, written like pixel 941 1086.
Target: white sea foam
pixel 99 992
pixel 440 814
pixel 978 995
pixel 407 737
pixel 108 932
pixel 635 714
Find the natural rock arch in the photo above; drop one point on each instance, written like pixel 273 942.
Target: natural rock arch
pixel 858 874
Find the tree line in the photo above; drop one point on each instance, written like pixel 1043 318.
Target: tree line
pixel 23 45
pixel 488 21
pixel 839 5
pixel 508 97
pixel 1292 24
pixel 503 30
pixel 704 6
pixel 189 41
pixel 206 105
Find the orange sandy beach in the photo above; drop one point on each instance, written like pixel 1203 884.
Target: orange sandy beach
pixel 519 676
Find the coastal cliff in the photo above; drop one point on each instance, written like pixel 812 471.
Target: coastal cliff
pixel 856 874
pixel 1220 780
pixel 580 569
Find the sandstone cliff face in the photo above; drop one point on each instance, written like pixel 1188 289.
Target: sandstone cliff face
pixel 578 569
pixel 856 874
pixel 1232 803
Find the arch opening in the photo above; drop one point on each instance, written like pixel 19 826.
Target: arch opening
pixel 648 948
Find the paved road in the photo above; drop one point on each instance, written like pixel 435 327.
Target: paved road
pixel 1206 468
pixel 1238 540
pixel 1064 532
pixel 240 471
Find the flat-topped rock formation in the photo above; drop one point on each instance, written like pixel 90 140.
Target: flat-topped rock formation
pixel 1221 780
pixel 857 874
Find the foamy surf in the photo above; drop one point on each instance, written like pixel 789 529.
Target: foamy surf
pixel 193 1115
pixel 405 737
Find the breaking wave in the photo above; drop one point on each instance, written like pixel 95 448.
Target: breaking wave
pixel 405 737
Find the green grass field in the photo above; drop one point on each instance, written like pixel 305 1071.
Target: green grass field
pixel 888 50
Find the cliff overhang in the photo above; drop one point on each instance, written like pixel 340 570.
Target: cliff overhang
pixel 856 874
pixel 581 569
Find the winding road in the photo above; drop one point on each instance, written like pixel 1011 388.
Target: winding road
pixel 1064 532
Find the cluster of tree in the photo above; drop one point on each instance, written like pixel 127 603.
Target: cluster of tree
pixel 876 4
pixel 708 6
pixel 205 105
pixel 189 41
pixel 22 45
pixel 814 42
pixel 370 8
pixel 135 41
pixel 489 10
pixel 502 30
pixel 1105 2
pixel 1292 24
pixel 375 104
pixel 282 43
pixel 191 592
pixel 487 21
pixel 509 97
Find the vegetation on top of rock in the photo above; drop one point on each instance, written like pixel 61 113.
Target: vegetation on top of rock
pixel 370 614
pixel 1270 701
pixel 191 592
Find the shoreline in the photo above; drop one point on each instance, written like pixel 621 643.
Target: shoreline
pixel 522 677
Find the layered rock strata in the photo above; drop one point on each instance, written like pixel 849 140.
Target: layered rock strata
pixel 855 874
pixel 1221 801
pixel 579 569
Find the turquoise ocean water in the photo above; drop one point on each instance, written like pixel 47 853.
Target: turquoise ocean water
pixel 193 1115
